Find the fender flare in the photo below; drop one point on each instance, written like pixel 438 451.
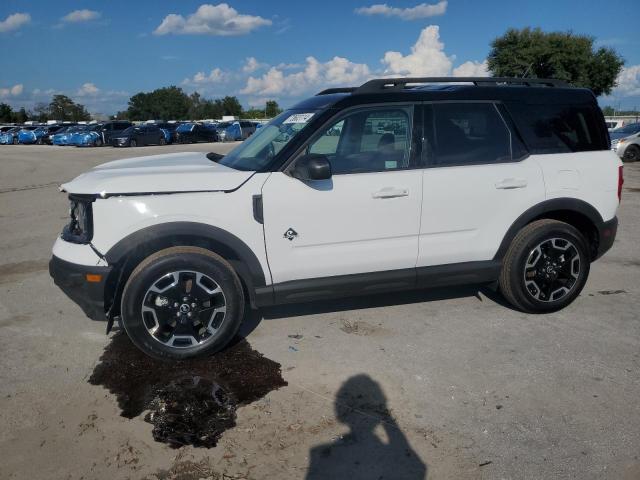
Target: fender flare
pixel 142 243
pixel 539 211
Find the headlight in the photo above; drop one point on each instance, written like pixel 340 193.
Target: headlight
pixel 80 226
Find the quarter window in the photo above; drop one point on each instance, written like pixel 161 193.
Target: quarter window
pixel 468 134
pixel 367 140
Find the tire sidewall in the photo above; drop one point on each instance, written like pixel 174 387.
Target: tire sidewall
pixel 139 283
pixel 557 230
pixel 632 153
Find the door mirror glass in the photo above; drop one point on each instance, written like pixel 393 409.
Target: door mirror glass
pixel 312 167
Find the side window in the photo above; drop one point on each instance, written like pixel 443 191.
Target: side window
pixel 469 134
pixel 367 140
pixel 559 128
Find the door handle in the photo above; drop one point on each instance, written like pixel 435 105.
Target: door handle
pixel 391 192
pixel 510 183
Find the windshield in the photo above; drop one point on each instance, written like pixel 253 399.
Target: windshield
pixel 259 149
pixel 632 128
pixel 185 127
pixel 128 131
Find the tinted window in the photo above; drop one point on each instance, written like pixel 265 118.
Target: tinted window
pixel 467 134
pixel 559 128
pixel 370 140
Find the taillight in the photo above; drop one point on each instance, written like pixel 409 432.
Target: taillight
pixel 620 183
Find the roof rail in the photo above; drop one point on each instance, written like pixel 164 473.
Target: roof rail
pixel 386 84
pixel 329 91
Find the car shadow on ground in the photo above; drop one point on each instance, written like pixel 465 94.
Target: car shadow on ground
pixel 254 317
pixel 361 453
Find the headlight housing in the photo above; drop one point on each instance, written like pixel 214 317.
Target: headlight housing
pixel 80 226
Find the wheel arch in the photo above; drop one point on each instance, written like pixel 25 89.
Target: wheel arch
pixel 131 250
pixel 573 211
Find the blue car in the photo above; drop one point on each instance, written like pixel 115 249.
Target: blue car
pixel 63 137
pixel 625 131
pixel 88 136
pixel 10 136
pixel 32 136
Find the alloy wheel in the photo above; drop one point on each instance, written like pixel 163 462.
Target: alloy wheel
pixel 184 309
pixel 552 269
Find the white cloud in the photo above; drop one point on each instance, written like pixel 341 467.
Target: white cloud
pixel 87 89
pixel 78 16
pixel 14 91
pixel 252 65
pixel 427 57
pixel 215 76
pixel 211 20
pixel 628 82
pixel 472 69
pixel 337 71
pixel 14 22
pixel 423 10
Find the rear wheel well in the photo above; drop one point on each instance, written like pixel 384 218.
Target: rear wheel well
pixel 579 221
pixel 124 267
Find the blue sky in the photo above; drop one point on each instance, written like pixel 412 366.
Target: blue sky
pixel 100 53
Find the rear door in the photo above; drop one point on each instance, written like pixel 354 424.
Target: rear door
pixel 478 181
pixel 363 219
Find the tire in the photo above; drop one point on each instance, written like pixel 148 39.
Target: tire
pixel 545 268
pixel 631 154
pixel 149 305
pixel 16 141
pixel 162 141
pixel 133 142
pixel 98 143
pixel 39 141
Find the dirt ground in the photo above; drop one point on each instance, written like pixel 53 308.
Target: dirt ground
pixel 449 383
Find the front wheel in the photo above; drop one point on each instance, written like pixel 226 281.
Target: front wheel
pixel 133 143
pixel 182 302
pixel 545 268
pixel 631 154
pixel 162 141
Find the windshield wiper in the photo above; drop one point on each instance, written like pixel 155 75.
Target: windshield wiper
pixel 214 157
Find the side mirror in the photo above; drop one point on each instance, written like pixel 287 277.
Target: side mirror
pixel 312 167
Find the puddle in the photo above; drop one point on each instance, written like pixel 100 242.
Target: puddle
pixel 191 402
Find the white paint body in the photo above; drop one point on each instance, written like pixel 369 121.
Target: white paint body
pixel 350 224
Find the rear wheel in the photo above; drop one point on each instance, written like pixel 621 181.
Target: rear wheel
pixel 162 141
pixel 545 268
pixel 98 142
pixel 182 302
pixel 631 154
pixel 15 141
pixel 133 142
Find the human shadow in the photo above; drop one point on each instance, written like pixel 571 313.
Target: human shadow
pixel 361 454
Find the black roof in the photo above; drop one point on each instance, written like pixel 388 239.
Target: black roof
pixel 542 91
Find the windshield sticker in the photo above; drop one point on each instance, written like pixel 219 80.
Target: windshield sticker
pixel 299 118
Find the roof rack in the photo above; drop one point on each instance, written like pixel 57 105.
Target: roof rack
pixel 329 91
pixel 387 84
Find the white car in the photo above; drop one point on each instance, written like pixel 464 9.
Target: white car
pixel 492 180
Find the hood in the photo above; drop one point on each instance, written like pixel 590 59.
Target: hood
pixel 174 172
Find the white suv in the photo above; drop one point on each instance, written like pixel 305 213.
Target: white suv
pixel 397 184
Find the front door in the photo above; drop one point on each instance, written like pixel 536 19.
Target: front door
pixel 363 219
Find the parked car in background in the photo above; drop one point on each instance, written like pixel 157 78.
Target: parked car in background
pixel 13 135
pixel 87 136
pixel 109 130
pixel 196 132
pixel 613 124
pixel 625 131
pixel 51 131
pixel 628 148
pixel 10 136
pixel 169 131
pixel 238 131
pixel 138 136
pixel 30 136
pixel 63 137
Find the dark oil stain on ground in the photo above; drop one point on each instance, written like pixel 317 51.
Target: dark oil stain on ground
pixel 190 402
pixel 22 268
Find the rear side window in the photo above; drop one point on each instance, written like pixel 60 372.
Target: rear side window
pixel 559 128
pixel 467 134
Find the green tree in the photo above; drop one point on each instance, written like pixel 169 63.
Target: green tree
pixel 41 111
pixel 231 106
pixel 563 55
pixel 272 109
pixel 64 109
pixel 168 103
pixel 20 116
pixel 6 113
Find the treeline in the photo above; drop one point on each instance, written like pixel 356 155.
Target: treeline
pixel 60 108
pixel 172 103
